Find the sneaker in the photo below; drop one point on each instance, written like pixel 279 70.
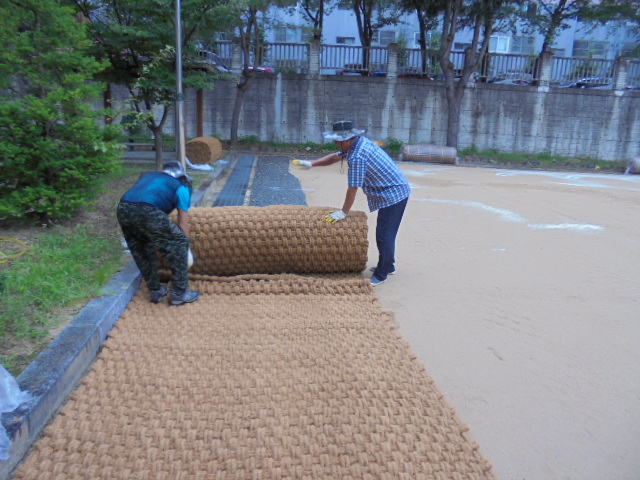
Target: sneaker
pixel 189 296
pixel 375 282
pixel 158 295
pixel 392 272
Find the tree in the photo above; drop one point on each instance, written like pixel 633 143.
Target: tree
pixel 52 148
pixel 551 17
pixel 315 11
pixel 137 38
pixel 371 16
pixel 249 27
pixel 480 16
pixel 428 19
pixel 615 12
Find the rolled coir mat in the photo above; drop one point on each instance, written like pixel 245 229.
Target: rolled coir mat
pixel 203 150
pixel 276 239
pixel 429 153
pixel 269 375
pixel 264 377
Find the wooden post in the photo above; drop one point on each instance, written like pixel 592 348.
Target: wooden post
pixel 200 112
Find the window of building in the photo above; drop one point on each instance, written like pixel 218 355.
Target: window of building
pixel 529 9
pixel 290 34
pixel 383 37
pixel 522 45
pixel 345 40
pixel 431 39
pixel 461 46
pixel 627 49
pixel 589 49
pixel 499 44
pixel 558 52
pixel 222 37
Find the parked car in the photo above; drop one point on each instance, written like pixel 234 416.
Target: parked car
pixel 512 78
pixel 261 69
pixel 412 72
pixel 212 61
pixel 589 82
pixel 353 70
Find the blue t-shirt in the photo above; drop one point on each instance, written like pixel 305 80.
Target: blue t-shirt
pixel 371 169
pixel 161 191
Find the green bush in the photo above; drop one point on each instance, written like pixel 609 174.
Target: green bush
pixel 393 146
pixel 52 148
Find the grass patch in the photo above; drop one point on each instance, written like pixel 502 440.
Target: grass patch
pixel 60 271
pixel 57 268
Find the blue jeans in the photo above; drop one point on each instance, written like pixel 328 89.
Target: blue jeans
pixel 389 219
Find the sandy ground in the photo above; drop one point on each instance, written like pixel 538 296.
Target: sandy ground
pixel 518 290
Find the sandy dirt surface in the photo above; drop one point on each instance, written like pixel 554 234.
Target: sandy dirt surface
pixel 518 290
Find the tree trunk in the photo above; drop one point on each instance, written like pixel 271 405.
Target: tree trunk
pixel 200 113
pixel 242 88
pixel 454 100
pixel 157 146
pixel 157 129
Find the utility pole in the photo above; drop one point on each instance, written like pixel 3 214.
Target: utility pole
pixel 180 140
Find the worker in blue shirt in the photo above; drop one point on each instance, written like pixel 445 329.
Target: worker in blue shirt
pixel 143 215
pixel 385 186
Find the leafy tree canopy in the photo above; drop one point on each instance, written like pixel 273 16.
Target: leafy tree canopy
pixel 52 148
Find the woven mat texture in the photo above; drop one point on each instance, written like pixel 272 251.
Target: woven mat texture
pixel 266 376
pixel 276 239
pixel 203 150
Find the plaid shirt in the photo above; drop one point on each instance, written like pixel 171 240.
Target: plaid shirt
pixel 371 169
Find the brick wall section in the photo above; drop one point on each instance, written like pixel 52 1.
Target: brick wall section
pixel 286 108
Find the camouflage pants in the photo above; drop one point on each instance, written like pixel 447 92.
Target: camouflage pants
pixel 148 230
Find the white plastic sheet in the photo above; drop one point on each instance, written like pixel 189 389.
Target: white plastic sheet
pixel 11 397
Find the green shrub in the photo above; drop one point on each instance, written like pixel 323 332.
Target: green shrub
pixel 393 145
pixel 52 147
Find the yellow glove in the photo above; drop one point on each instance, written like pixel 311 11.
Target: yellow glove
pixel 335 216
pixel 301 163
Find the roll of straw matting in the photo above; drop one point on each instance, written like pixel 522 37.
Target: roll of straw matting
pixel 276 239
pixel 203 150
pixel 429 153
pixel 634 165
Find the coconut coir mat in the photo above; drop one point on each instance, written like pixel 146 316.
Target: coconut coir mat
pixel 265 377
pixel 276 239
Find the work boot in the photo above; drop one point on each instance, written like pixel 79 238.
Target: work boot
pixel 158 295
pixel 189 296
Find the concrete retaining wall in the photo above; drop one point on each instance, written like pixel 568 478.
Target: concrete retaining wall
pixel 285 108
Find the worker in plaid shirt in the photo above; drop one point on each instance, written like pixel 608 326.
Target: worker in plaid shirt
pixel 386 188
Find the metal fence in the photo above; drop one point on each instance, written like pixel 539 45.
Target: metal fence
pixel 509 69
pixel 351 60
pixel 497 68
pixel 288 57
pixel 633 76
pixel 571 71
pixel 414 62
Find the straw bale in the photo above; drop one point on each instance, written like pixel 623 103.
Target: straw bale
pixel 203 150
pixel 429 153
